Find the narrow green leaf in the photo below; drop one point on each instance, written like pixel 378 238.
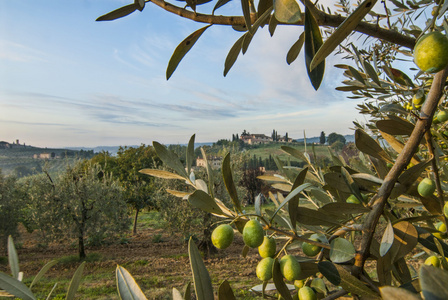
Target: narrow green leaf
pixel 338 276
pixel 119 13
pixel 309 216
pixel 393 108
pixel 15 287
pixel 293 204
pixel 128 289
pixel 246 13
pixel 343 31
pixel 74 283
pixel 341 250
pixel 345 208
pixel 356 74
pixel 336 181
pixel 287 11
pixel 272 25
pixel 427 240
pixel 279 282
pixel 369 146
pixel 321 196
pixel 170 159
pixel 51 292
pixel 219 4
pixel 371 72
pixel 257 204
pixel 13 258
pixel 225 291
pixel 187 291
pixel 395 126
pixel 390 292
pixel 233 54
pixel 351 184
pixel 210 174
pixel 272 178
pixel 313 42
pixel 433 283
pixel 387 239
pixel 249 35
pixel 203 201
pixel 290 196
pixel 201 278
pixel 295 49
pixel 405 240
pixel 264 5
pixel 228 181
pixel 182 49
pixel 295 153
pixel 177 295
pixel 190 153
pixel 43 271
pixel 161 174
pixel 140 4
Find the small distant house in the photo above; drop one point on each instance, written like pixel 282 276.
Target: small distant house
pixel 215 162
pixel 254 139
pixel 51 155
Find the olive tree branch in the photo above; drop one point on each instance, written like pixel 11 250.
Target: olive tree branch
pixel 378 202
pixel 322 18
pixel 435 171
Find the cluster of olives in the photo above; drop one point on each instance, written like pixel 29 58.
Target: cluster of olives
pixel 254 237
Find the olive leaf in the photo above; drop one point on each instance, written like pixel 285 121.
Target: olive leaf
pixel 128 289
pixel 313 42
pixel 201 277
pixel 119 13
pixel 225 291
pixel 228 181
pixel 295 49
pixel 74 283
pixel 233 54
pixel 182 49
pixel 13 258
pixel 15 287
pixel 343 31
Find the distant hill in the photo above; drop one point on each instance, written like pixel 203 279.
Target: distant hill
pixel 114 149
pixel 22 160
pixel 349 138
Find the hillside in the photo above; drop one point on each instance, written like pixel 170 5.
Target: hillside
pixel 23 160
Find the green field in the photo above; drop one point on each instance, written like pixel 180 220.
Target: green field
pixel 274 149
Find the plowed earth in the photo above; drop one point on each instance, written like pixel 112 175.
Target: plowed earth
pixel 157 260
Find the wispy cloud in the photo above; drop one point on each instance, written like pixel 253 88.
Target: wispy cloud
pixel 20 53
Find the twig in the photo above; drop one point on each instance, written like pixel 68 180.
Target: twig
pixel 336 295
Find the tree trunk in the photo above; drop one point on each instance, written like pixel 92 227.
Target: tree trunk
pixel 205 245
pixel 81 250
pixel 134 227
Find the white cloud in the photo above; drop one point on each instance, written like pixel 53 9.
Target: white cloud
pixel 20 53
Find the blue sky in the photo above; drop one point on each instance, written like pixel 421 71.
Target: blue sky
pixel 66 80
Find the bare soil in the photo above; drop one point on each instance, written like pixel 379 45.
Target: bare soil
pixel 157 260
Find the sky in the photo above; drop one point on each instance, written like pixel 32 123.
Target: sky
pixel 66 80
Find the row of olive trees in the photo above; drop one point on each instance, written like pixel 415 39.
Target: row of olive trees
pixel 82 202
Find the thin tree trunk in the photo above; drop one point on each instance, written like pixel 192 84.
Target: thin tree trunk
pixel 134 228
pixel 81 249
